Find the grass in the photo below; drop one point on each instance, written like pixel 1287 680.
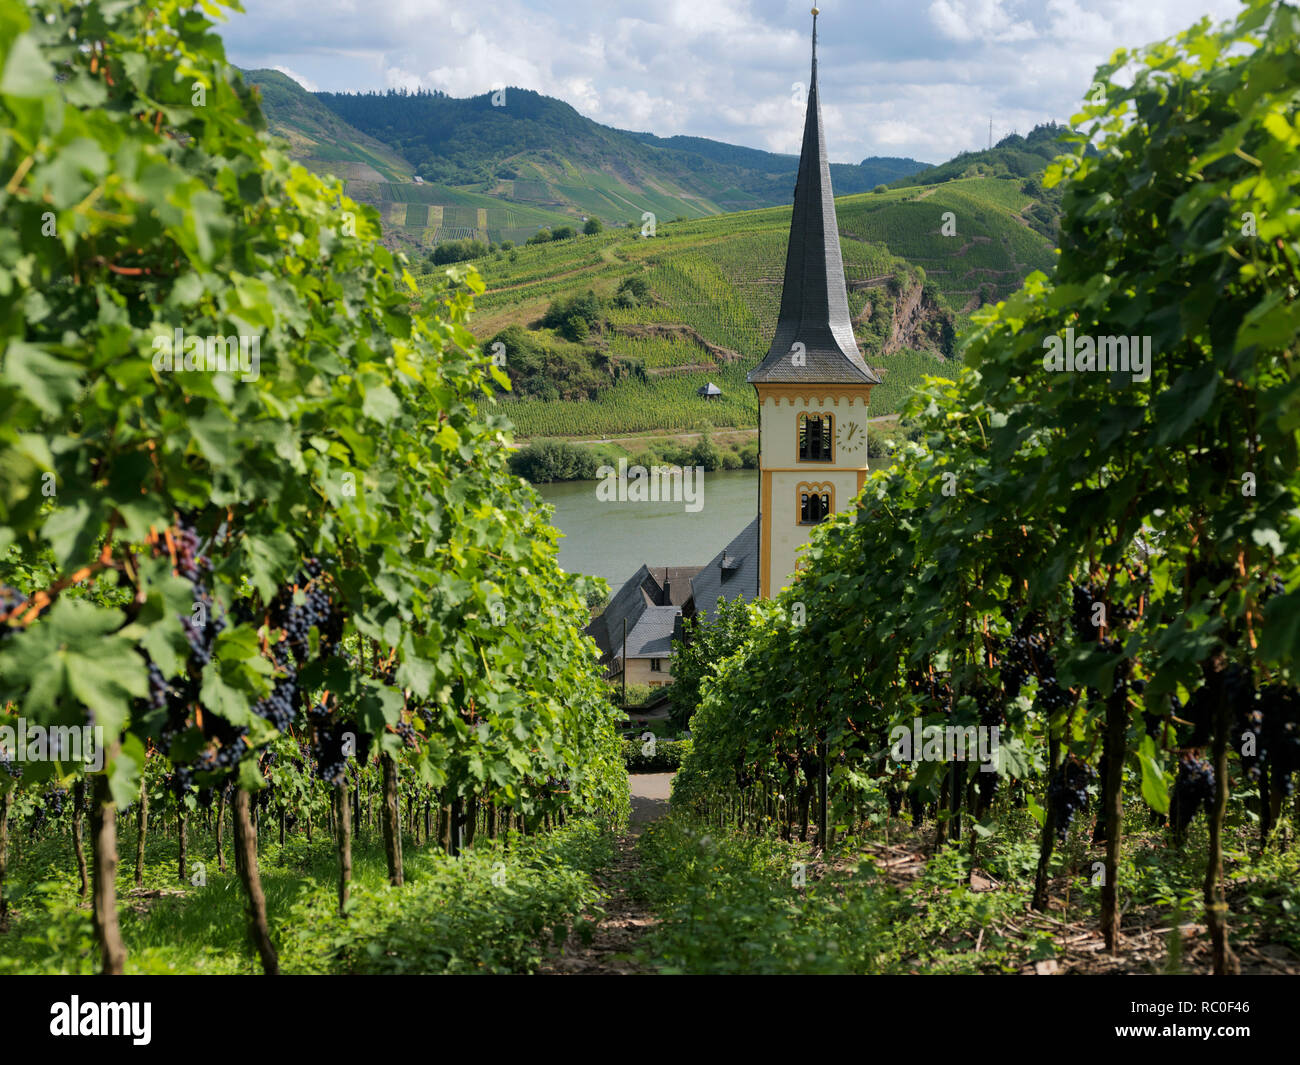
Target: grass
pixel 495 909
pixel 732 903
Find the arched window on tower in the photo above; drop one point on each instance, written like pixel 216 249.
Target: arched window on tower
pixel 816 436
pixel 815 501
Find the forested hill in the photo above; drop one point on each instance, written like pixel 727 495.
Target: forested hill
pixel 846 177
pixel 522 135
pixel 497 173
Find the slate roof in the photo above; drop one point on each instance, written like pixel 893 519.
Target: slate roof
pixel 628 602
pixel 732 572
pixel 674 583
pixel 652 635
pixel 649 588
pixel 814 301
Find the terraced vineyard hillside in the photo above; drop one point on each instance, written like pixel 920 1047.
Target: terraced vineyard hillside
pixel 420 216
pixel 714 287
pixel 416 216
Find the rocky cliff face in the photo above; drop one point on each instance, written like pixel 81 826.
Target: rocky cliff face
pixel 906 316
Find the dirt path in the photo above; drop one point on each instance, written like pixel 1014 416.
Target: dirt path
pixel 626 918
pixel 649 798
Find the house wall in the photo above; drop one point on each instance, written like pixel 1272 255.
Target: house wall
pixel 639 672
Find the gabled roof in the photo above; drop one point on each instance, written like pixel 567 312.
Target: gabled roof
pixel 652 636
pixel 627 604
pixel 674 583
pixel 814 301
pixel 649 588
pixel 732 572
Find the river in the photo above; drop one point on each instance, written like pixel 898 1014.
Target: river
pixel 610 539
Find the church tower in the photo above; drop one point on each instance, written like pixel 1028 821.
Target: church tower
pixel 813 386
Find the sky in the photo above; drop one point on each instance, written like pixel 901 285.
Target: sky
pixel 912 78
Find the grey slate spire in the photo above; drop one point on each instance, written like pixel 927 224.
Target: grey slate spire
pixel 814 302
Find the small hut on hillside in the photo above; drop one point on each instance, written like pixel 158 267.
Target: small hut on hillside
pixel 709 391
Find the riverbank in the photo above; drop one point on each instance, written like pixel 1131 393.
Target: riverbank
pixel 544 460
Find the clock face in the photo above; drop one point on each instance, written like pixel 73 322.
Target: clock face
pixel 850 436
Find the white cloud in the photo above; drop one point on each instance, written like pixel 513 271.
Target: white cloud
pixel 978 20
pixel 916 79
pixel 306 83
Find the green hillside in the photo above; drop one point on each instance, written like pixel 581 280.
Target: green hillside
pixel 528 148
pixel 537 151
pixel 502 173
pixel 848 178
pixel 415 216
pixel 712 290
pixel 319 139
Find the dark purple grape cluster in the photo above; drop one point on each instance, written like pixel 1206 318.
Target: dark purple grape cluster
pixel 10 600
pixel 1015 663
pixel 1067 793
pixel 407 731
pixel 52 803
pixel 298 609
pixel 988 705
pixel 1026 654
pixel 1279 741
pixel 194 567
pixel 1083 598
pixel 281 706
pixel 304 606
pixel 1193 788
pixel 159 688
pixel 55 800
pixel 180 781
pixel 327 742
pixel 225 757
pixel 1248 719
pixel 172 699
pixel 189 563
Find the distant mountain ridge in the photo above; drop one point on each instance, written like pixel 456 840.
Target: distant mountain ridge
pixel 497 173
pixel 846 177
pixel 519 134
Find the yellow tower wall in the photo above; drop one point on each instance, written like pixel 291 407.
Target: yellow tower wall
pixel 782 472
